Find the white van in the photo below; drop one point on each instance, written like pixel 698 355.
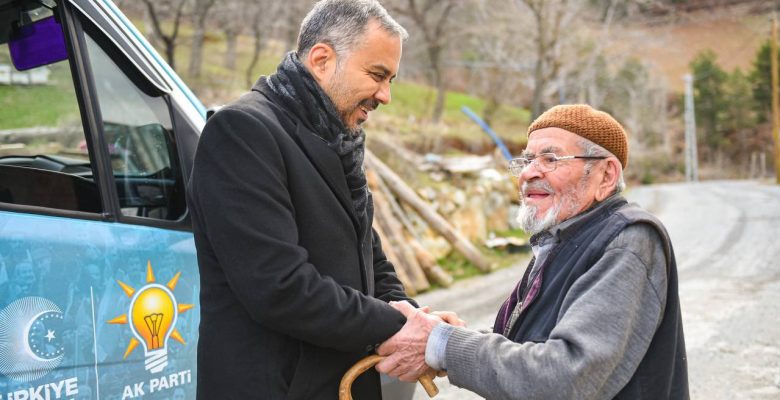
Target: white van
pixel 98 274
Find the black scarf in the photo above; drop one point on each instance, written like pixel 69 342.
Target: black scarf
pixel 302 95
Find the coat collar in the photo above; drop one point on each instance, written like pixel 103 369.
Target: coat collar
pixel 328 164
pixel 324 159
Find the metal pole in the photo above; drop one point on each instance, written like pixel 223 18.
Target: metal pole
pixel 687 150
pixel 691 157
pixel 775 107
pixel 486 128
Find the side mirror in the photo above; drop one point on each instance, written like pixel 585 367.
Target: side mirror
pixel 36 44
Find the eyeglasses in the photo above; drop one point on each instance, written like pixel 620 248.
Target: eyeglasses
pixel 545 162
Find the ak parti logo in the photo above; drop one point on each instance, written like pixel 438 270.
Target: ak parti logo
pixel 152 317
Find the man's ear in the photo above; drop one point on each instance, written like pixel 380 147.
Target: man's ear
pixel 609 179
pixel 321 62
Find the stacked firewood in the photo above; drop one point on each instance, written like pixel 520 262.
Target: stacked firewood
pixel 415 266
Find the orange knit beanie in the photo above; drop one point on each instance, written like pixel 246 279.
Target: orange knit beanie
pixel 583 120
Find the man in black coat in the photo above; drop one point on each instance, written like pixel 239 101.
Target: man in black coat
pixel 294 283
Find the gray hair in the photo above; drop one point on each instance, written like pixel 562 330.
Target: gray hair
pixel 342 23
pixel 590 149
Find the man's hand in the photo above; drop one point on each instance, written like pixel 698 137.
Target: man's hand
pixel 450 318
pixel 405 350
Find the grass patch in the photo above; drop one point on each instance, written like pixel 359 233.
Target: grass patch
pixel 517 232
pixel 458 266
pixel 416 100
pixel 29 106
pixel 461 268
pixel 53 104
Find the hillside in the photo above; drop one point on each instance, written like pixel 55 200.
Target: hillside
pixel 733 33
pixel 411 101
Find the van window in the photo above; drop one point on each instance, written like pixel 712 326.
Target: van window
pixel 44 159
pixel 141 145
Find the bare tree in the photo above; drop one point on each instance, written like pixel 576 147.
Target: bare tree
pixel 232 16
pixel 257 27
pixel 432 19
pixel 262 14
pixel 589 71
pixel 200 12
pixel 292 15
pixel 137 9
pixel 498 41
pixel 166 10
pixel 638 99
pixel 231 38
pixel 551 18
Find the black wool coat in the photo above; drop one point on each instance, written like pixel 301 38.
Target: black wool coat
pixel 291 293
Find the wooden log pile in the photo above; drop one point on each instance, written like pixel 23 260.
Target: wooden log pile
pixel 416 267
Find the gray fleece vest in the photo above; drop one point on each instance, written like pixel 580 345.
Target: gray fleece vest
pixel 663 372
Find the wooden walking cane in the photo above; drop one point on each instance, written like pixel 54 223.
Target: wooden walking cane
pixel 345 388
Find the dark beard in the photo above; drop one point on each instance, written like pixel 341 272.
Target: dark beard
pixel 300 93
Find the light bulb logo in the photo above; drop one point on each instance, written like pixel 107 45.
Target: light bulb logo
pixel 152 318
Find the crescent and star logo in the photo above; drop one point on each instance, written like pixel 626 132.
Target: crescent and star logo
pixel 30 338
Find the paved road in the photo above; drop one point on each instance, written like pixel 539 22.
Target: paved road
pixel 726 236
pixel 476 301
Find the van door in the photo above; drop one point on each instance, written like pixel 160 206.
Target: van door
pixel 98 276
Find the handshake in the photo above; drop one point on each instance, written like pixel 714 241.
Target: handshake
pixel 405 351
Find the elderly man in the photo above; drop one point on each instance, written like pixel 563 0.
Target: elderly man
pixel 596 314
pixel 294 283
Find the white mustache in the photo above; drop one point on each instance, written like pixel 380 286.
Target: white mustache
pixel 537 185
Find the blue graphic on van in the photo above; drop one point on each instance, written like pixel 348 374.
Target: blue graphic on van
pixel 59 286
pixel 29 345
pixel 152 317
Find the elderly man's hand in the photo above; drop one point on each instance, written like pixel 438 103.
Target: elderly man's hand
pixel 450 318
pixel 405 350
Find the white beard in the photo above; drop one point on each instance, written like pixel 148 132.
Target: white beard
pixel 532 223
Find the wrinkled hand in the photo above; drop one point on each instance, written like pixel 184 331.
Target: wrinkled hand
pixel 450 318
pixel 405 350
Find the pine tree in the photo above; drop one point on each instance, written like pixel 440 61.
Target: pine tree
pixel 710 99
pixel 761 79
